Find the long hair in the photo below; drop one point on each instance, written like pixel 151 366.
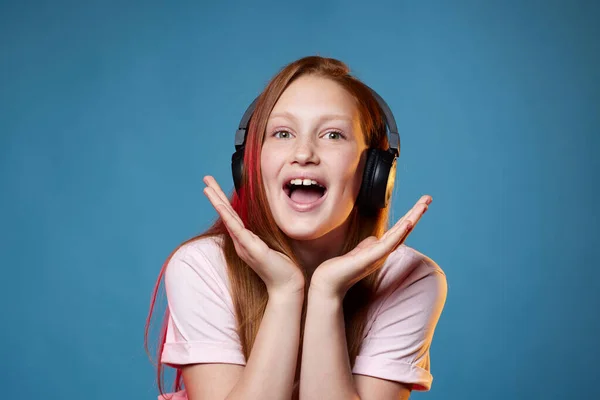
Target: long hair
pixel 248 291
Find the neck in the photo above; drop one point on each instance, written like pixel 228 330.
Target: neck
pixel 312 253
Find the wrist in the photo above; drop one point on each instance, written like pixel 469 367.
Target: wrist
pixel 286 295
pixel 320 293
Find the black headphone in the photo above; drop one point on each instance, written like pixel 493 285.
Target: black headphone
pixel 380 168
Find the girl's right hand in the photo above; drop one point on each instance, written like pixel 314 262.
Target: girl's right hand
pixel 280 274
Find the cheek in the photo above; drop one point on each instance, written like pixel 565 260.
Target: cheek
pixel 264 172
pixel 354 167
pixel 270 165
pixel 347 168
pixel 266 161
pixel 360 168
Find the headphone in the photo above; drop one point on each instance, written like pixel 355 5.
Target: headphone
pixel 380 168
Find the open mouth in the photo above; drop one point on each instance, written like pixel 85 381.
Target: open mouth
pixel 304 191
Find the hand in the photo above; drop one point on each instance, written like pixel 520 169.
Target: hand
pixel 336 276
pixel 278 272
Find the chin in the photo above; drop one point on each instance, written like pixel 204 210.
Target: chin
pixel 303 233
pixel 313 225
pixel 310 229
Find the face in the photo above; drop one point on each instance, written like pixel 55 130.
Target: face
pixel 312 158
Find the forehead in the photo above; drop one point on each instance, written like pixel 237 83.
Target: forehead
pixel 310 96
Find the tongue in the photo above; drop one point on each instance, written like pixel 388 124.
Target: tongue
pixel 306 195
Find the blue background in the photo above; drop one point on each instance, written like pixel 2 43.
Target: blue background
pixel 111 113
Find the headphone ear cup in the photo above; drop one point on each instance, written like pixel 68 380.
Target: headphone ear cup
pixel 237 168
pixel 378 180
pixel 367 181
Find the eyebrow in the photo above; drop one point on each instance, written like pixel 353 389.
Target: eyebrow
pixel 326 117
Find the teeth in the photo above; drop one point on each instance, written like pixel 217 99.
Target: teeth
pixel 305 182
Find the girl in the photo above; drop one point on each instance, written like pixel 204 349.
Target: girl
pixel 298 291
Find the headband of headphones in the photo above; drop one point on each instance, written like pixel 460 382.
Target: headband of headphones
pixel 393 136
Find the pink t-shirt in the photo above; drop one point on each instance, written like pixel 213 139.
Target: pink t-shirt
pixel 397 337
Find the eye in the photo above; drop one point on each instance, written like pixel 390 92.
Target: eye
pixel 334 135
pixel 282 135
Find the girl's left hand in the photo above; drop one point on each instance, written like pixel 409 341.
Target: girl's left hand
pixel 335 276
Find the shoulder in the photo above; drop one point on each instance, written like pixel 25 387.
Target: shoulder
pixel 405 267
pixel 201 315
pixel 409 282
pixel 208 246
pixel 199 259
pixel 398 335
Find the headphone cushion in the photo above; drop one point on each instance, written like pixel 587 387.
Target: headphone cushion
pixel 366 187
pixel 237 168
pixel 376 180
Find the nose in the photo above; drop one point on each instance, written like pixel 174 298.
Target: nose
pixel 305 151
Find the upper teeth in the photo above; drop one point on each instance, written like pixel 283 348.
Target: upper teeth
pixel 305 182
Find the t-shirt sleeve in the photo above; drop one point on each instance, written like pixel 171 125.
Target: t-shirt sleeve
pixel 201 324
pixel 397 345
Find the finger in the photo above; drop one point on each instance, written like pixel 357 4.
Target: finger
pixel 214 197
pixel 242 237
pixel 427 199
pixel 247 244
pixel 398 234
pixel 230 218
pixel 212 183
pixel 424 201
pixel 417 212
pixel 384 247
pixel 374 253
pixel 400 225
pixel 413 212
pixel 371 250
pixel 364 244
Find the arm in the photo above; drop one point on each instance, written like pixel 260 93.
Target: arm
pixel 269 372
pixel 272 363
pixel 326 372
